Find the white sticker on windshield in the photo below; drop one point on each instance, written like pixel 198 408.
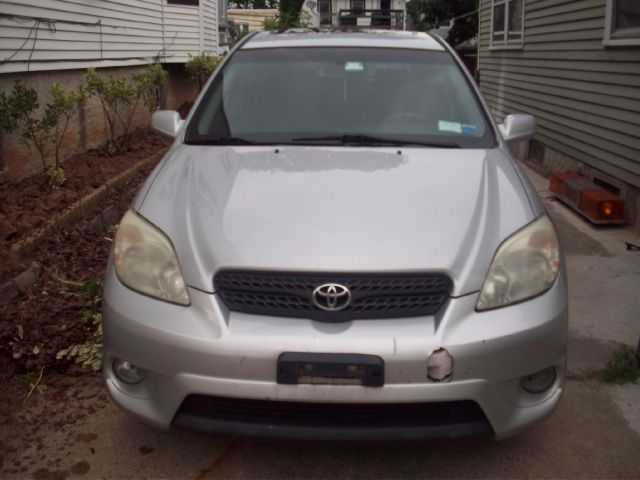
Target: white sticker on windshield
pixel 453 127
pixel 353 67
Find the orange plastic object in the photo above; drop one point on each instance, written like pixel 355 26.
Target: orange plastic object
pixel 556 185
pixel 601 205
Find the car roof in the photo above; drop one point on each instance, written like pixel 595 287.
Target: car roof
pixel 369 38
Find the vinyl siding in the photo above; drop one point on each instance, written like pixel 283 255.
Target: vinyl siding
pixel 585 97
pixel 82 33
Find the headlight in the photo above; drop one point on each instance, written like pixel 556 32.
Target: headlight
pixel 525 265
pixel 146 262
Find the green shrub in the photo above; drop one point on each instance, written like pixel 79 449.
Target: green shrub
pixel 63 107
pixel 44 132
pixel 148 84
pixel 200 68
pixel 21 102
pixel 89 353
pixel 119 99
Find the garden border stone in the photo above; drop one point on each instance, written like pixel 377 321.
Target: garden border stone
pixel 23 249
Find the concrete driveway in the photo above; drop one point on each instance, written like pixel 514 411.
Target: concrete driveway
pixel 70 429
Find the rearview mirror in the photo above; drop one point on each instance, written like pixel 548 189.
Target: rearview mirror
pixel 166 123
pixel 517 127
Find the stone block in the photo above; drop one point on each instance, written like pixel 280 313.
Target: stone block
pixel 27 278
pixel 8 291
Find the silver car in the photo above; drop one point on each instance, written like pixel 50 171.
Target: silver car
pixel 338 245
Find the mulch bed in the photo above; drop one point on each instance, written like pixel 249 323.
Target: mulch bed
pixel 48 316
pixel 28 205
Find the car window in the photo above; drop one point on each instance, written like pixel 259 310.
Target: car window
pixel 324 95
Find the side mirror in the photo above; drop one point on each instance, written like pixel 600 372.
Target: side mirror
pixel 517 127
pixel 166 122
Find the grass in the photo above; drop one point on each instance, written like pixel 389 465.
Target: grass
pixel 623 368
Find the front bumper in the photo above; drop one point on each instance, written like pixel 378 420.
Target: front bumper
pixel 206 350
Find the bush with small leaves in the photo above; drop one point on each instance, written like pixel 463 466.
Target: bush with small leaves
pixel 200 68
pixel 119 99
pixel 89 353
pixel 63 107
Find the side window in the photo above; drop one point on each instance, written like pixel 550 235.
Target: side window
pixel 622 23
pixel 507 23
pixel 183 2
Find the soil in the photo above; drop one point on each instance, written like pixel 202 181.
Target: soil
pixel 29 204
pixel 48 317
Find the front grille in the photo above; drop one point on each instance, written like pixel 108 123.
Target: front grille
pixel 372 295
pixel 327 415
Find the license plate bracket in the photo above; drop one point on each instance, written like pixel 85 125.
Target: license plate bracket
pixel 330 368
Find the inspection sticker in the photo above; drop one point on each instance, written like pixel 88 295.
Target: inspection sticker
pixel 469 129
pixel 353 67
pixel 453 127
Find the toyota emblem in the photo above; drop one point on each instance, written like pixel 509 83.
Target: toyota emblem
pixel 331 297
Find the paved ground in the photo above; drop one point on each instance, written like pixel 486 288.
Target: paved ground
pixel 70 429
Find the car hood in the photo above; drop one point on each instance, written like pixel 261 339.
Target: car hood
pixel 336 209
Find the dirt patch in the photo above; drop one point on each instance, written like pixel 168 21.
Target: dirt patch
pixel 50 315
pixel 28 205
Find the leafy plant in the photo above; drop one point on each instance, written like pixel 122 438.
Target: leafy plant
pixel 623 368
pixel 289 14
pixel 148 84
pixel 119 99
pixel 200 68
pixel 286 20
pixel 116 98
pixel 22 102
pixel 55 175
pixel 63 107
pixel 45 132
pixel 89 353
pixel 19 112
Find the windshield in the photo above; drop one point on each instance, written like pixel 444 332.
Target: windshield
pixel 340 96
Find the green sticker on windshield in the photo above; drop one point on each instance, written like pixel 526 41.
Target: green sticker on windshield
pixel 453 127
pixel 353 67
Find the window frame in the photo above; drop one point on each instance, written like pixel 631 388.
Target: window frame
pixel 611 37
pixel 505 43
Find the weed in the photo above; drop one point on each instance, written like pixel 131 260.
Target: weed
pixel 26 379
pixel 119 98
pixel 623 368
pixel 89 353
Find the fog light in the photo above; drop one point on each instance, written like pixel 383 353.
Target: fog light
pixel 539 382
pixel 127 372
pixel 440 366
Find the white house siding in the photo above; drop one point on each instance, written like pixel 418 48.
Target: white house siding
pixel 67 34
pixel 209 18
pixel 585 97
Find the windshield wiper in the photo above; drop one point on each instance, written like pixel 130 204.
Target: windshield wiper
pixel 373 140
pixel 220 141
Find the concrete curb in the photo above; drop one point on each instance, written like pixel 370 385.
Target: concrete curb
pixel 23 249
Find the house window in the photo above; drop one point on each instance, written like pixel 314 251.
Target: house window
pixel 622 25
pixel 507 23
pixel 183 2
pixel 357 6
